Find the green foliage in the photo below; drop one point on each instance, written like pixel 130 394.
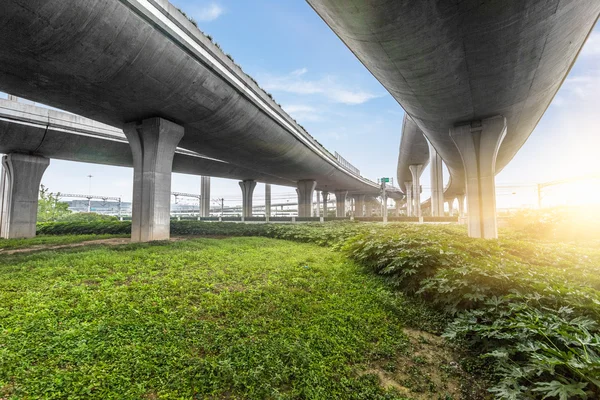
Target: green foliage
pixel 203 318
pixel 530 309
pixel 50 208
pixel 87 217
pixel 85 228
pixel 560 223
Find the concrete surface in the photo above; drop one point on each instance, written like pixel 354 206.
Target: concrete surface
pixel 437 183
pixel 153 142
pixel 247 193
pixel 20 179
pixel 340 202
pixel 416 170
pixel 447 63
pixel 305 190
pixel 205 196
pixel 479 143
pixel 267 201
pixel 117 61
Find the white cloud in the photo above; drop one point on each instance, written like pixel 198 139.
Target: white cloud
pixel 296 83
pixel 592 46
pixel 303 112
pixel 208 13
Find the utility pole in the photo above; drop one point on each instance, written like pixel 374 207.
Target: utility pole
pixel 222 202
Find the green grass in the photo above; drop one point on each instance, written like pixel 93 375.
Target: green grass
pixel 204 318
pixel 42 240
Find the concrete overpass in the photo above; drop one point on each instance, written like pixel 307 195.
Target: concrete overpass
pixel 141 66
pixel 475 77
pixel 30 129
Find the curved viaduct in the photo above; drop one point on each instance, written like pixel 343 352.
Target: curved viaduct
pixel 140 65
pixel 476 77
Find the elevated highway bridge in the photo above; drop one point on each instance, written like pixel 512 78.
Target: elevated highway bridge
pixel 142 67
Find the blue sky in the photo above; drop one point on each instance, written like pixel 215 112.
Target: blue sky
pixel 293 54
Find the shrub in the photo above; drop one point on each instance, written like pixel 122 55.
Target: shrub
pixel 87 217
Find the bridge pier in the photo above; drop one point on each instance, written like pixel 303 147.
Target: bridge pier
pixel 205 196
pixel 153 142
pixel 478 143
pixel 325 200
pixel 318 214
pixel 20 179
pixel 461 208
pixel 305 191
pixel 437 183
pixel 247 192
pixel 267 202
pixel 369 207
pixel 359 205
pixel 398 204
pixel 408 186
pixel 340 203
pixel 416 170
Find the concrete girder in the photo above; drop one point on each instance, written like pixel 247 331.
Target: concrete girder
pixel 20 179
pixel 153 143
pixel 119 67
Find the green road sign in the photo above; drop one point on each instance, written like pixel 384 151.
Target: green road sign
pixel 386 180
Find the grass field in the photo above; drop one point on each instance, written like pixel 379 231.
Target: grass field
pixel 206 318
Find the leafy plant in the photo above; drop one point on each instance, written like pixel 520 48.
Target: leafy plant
pixel 50 208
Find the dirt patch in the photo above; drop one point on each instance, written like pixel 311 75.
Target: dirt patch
pixel 110 242
pixel 429 370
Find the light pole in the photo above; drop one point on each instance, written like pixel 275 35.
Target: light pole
pixel 90 194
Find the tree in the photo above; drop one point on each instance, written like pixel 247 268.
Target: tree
pixel 50 208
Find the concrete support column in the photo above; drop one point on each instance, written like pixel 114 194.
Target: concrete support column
pixel 461 207
pixel 247 192
pixel 19 188
pixel 408 186
pixel 369 207
pixel 305 191
pixel 325 200
pixel 153 143
pixel 416 170
pixel 359 205
pixel 318 204
pixel 398 206
pixel 437 183
pixel 478 143
pixel 267 201
pixel 205 196
pixel 340 203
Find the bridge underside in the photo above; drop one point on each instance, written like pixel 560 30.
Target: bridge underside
pixel 454 63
